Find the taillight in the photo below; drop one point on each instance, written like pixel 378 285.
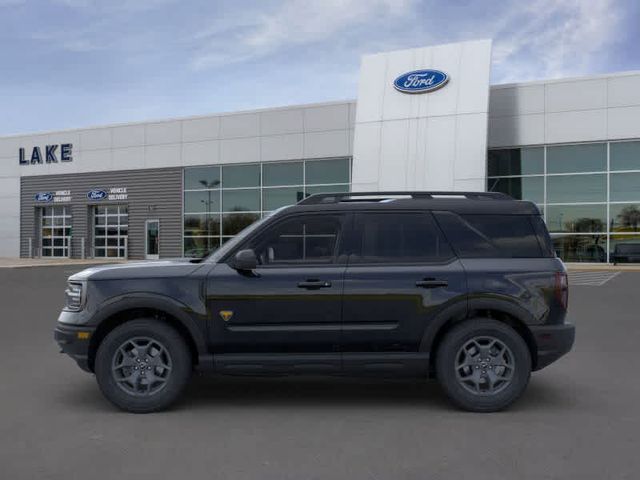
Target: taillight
pixel 562 289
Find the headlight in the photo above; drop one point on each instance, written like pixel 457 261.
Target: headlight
pixel 74 296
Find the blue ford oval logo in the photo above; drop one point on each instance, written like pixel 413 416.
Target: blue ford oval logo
pixel 97 195
pixel 44 197
pixel 421 81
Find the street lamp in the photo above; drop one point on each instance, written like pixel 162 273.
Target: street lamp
pixel 209 186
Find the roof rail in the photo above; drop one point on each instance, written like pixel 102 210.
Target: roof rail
pixel 320 198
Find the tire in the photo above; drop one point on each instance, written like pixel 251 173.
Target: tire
pixel 139 386
pixel 474 384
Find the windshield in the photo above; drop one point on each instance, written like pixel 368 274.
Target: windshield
pixel 239 238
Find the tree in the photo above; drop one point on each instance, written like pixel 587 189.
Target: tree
pixel 629 217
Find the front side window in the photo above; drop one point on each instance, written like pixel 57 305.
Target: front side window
pixel 299 240
pixel 399 238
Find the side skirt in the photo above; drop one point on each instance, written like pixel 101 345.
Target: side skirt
pixel 396 364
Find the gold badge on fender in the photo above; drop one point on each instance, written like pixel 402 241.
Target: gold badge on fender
pixel 226 315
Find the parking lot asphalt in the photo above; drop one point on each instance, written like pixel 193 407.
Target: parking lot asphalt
pixel 579 418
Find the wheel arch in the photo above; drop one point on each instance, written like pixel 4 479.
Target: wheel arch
pixel 120 311
pixel 504 311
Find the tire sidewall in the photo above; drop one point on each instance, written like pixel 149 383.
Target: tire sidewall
pixel 445 365
pixel 178 378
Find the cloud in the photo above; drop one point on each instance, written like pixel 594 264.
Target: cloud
pixel 125 6
pixel 532 40
pixel 294 22
pixel 553 38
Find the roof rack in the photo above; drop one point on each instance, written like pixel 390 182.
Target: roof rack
pixel 320 198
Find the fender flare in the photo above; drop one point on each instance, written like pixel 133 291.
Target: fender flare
pixel 170 306
pixel 455 311
pixel 460 310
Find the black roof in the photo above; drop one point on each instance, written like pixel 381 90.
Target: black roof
pixel 458 202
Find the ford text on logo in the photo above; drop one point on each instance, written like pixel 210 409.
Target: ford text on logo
pixel 421 81
pixel 97 195
pixel 44 197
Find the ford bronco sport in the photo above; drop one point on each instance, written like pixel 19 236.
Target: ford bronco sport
pixel 463 287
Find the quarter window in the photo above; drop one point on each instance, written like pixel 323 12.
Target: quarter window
pixel 491 236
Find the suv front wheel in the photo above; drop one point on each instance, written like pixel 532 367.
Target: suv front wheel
pixel 483 365
pixel 143 365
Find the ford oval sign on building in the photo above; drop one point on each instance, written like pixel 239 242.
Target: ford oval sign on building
pixel 97 195
pixel 421 81
pixel 44 197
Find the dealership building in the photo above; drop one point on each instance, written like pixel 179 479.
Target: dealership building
pixel 424 119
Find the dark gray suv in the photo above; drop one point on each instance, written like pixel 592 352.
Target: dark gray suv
pixel 464 287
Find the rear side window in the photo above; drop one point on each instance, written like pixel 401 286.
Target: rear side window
pixel 494 236
pixel 399 238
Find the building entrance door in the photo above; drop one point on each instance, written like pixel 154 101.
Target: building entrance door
pixel 152 240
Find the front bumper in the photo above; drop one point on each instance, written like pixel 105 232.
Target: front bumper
pixel 553 342
pixel 74 341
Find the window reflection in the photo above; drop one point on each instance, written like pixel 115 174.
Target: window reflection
pixel 205 201
pixel 515 161
pixel 285 173
pixel 589 157
pixel 273 198
pixel 200 225
pixel 520 188
pixel 234 223
pixel 244 192
pixel 241 200
pixel 577 218
pixel 581 248
pixel 200 246
pixel 327 171
pixel 624 155
pixel 327 189
pixel 201 177
pixel 625 187
pixel 237 176
pixel 576 188
pixel 624 217
pixel 624 249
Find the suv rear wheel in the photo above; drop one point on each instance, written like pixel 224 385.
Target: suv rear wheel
pixel 483 365
pixel 142 366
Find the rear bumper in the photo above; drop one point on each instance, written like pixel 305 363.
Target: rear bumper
pixel 553 342
pixel 74 341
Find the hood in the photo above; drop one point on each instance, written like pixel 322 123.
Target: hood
pixel 141 269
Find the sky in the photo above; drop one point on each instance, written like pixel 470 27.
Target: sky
pixel 78 63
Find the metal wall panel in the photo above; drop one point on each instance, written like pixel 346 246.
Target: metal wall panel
pixel 152 193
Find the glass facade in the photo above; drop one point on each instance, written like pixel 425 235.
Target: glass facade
pixel 589 194
pixel 221 200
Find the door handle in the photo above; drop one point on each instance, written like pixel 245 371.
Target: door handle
pixel 431 283
pixel 314 284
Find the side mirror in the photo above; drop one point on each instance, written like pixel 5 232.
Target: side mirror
pixel 245 261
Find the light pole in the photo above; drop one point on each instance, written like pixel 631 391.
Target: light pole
pixel 209 186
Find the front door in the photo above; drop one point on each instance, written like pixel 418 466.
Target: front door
pixel 291 303
pixel 152 239
pixel 401 273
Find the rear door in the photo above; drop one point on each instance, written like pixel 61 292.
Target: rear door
pixel 401 273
